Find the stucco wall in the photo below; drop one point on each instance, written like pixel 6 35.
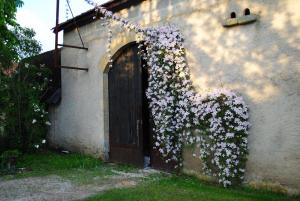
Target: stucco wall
pixel 261 61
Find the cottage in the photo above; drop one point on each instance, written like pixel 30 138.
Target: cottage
pixel 103 111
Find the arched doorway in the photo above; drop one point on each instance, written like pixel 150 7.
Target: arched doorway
pixel 130 124
pixel 129 132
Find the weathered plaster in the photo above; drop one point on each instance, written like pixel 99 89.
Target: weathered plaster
pixel 261 61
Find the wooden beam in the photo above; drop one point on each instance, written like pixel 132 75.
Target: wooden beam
pixel 72 46
pixel 74 68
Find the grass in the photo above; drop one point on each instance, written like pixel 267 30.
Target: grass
pixel 76 167
pixel 184 188
pixel 159 187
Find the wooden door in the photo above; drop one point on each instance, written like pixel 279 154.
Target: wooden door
pixel 125 107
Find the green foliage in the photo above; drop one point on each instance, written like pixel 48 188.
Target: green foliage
pixel 8 158
pixel 188 189
pixel 26 45
pixel 18 44
pixel 23 116
pixel 44 162
pixel 10 154
pixel 8 9
pixel 8 27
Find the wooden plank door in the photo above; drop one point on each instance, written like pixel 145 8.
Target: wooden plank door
pixel 125 107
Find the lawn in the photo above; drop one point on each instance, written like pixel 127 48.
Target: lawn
pixel 82 170
pixel 184 188
pixel 75 167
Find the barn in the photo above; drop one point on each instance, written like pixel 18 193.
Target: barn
pixel 104 111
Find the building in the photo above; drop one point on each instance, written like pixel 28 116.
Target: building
pixel 260 60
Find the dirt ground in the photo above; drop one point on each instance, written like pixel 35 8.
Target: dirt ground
pixel 55 188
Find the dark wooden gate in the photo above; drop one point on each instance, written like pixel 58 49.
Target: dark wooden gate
pixel 125 107
pixel 130 124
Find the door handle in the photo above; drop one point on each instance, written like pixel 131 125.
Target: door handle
pixel 138 123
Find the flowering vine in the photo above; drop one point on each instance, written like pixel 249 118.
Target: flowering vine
pixel 219 120
pixel 169 91
pixel 221 130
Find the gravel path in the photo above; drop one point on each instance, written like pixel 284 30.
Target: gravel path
pixel 55 188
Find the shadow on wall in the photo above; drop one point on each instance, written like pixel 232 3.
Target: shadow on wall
pixel 247 58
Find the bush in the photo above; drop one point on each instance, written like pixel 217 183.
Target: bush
pixel 23 118
pixel 8 159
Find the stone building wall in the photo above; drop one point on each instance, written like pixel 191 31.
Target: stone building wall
pixel 261 61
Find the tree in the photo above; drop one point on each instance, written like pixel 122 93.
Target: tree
pixel 8 26
pixel 23 117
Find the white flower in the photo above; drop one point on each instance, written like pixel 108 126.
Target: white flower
pixel 43 141
pixel 229 135
pixel 48 123
pixel 34 121
pixel 37 146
